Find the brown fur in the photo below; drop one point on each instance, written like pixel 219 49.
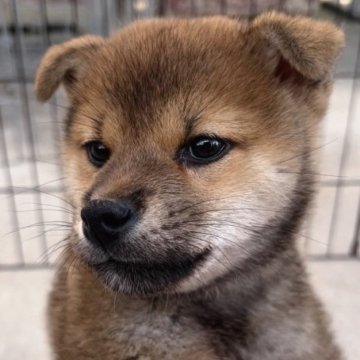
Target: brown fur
pixel 144 93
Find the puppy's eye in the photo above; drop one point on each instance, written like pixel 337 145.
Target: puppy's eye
pixel 97 153
pixel 204 150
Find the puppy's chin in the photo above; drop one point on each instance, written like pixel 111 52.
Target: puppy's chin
pixel 147 279
pixel 140 278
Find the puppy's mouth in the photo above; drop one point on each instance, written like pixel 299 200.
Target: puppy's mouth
pixel 147 278
pixel 136 264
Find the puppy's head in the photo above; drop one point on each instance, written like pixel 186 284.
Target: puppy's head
pixel 187 143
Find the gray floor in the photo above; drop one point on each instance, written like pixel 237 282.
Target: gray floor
pixel 337 283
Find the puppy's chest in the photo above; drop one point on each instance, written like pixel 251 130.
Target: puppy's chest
pixel 165 335
pixel 121 328
pixel 129 332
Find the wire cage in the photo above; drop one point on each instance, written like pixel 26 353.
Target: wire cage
pixel 35 214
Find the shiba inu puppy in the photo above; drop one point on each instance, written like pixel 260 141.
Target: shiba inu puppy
pixel 187 153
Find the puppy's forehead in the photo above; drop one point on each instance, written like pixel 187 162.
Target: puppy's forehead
pixel 157 65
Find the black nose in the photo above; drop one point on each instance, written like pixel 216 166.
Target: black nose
pixel 106 221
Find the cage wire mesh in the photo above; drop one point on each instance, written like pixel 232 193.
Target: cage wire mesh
pixel 35 214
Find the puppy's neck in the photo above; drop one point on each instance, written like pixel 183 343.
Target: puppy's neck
pixel 240 291
pixel 254 282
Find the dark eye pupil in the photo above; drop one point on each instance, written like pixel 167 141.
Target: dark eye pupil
pixel 206 148
pixel 98 153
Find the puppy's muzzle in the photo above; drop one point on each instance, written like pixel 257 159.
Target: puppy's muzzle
pixel 108 221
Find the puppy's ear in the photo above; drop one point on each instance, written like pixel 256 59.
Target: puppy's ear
pixel 295 46
pixel 65 63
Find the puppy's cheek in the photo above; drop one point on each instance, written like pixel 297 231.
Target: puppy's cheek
pixel 78 238
pixel 78 229
pixel 78 175
pixel 233 233
pixel 230 246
